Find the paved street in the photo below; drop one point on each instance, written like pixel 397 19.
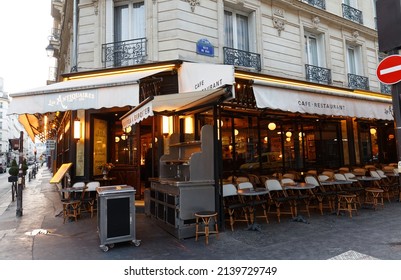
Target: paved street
pixel 41 235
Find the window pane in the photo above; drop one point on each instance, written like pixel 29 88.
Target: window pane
pixel 121 29
pixel 351 61
pixel 228 29
pixel 138 22
pixel 242 33
pixel 311 50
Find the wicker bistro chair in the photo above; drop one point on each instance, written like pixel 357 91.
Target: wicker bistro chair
pixel 233 206
pixel 358 171
pixel 89 200
pixel 383 184
pixel 254 179
pixel 348 199
pixel 299 196
pixel 352 186
pixel 254 205
pixel 326 198
pixel 279 199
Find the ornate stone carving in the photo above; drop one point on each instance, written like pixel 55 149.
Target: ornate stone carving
pixel 193 3
pixel 278 12
pixel 355 35
pixel 278 23
pixel 315 22
pixel 95 6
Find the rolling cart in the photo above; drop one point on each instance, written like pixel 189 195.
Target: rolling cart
pixel 116 216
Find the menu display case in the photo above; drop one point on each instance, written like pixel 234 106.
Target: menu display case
pixel 186 184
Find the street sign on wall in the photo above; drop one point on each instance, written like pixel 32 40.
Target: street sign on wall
pixel 50 144
pixel 389 70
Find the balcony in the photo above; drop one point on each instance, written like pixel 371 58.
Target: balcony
pixel 124 53
pixel 358 82
pixel 54 34
pixel 352 14
pixel 317 3
pixel 386 89
pixel 318 74
pixel 242 58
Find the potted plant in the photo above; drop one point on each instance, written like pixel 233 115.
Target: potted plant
pixel 13 171
pixel 24 166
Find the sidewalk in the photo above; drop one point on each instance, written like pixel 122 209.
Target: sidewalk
pixel 41 235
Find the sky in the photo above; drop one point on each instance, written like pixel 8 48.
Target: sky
pixel 25 26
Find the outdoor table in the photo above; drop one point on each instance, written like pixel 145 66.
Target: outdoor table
pixel 251 200
pixel 367 181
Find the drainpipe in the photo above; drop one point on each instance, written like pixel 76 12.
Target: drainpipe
pixel 74 67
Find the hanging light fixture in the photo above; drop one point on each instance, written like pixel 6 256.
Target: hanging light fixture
pixel 124 137
pixel 77 129
pixel 271 126
pixel 373 131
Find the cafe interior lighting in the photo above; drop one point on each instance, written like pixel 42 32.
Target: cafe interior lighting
pixel 167 125
pixel 373 131
pixel 77 129
pixel 189 125
pixel 116 73
pixel 271 126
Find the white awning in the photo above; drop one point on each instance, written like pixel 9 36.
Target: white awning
pixel 170 103
pixel 86 93
pixel 323 103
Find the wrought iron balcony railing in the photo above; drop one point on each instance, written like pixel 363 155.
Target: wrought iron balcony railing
pixel 358 82
pixel 242 58
pixel 352 14
pixel 124 53
pixel 318 74
pixel 386 89
pixel 55 34
pixel 317 3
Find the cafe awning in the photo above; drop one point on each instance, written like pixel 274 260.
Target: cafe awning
pixel 315 100
pixel 87 93
pixel 106 91
pixel 174 103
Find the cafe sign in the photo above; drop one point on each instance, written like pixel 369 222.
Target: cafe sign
pixel 138 115
pixel 203 76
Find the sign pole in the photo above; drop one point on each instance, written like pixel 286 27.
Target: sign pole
pixel 395 95
pixel 20 184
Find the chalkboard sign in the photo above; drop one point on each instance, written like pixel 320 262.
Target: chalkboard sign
pixel 60 173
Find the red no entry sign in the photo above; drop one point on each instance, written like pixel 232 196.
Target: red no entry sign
pixel 389 70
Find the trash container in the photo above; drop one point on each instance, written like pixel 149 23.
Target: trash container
pixel 116 216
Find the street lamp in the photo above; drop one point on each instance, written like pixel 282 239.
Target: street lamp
pixel 50 50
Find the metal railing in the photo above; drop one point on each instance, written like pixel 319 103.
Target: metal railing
pixel 242 58
pixel 54 34
pixel 318 74
pixel 386 89
pixel 352 14
pixel 317 3
pixel 358 82
pixel 124 53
